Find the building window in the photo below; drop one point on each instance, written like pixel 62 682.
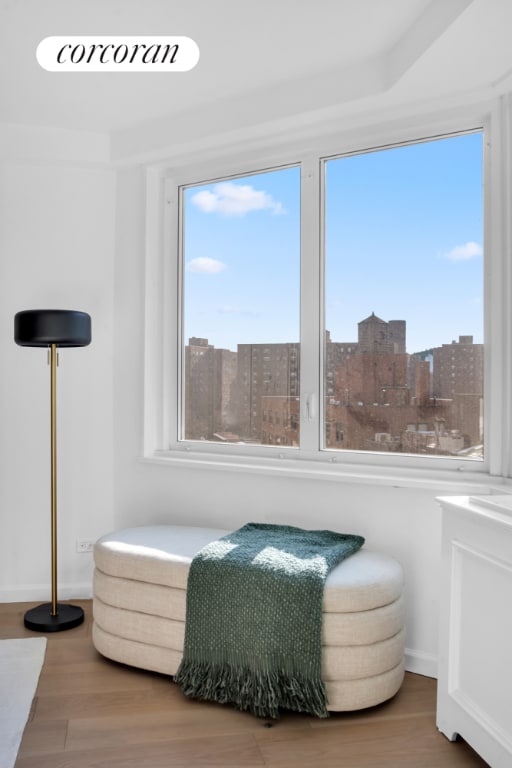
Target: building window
pixel 404 276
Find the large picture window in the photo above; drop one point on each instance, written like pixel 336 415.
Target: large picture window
pixel 334 306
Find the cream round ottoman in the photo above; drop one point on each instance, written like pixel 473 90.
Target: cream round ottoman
pixel 139 604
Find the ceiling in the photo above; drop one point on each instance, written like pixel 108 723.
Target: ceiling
pixel 356 47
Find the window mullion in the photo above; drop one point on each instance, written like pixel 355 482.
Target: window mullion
pixel 310 331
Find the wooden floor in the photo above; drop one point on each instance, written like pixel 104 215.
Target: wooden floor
pixel 92 713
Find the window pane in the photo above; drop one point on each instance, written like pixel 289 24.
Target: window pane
pixel 404 299
pixel 241 251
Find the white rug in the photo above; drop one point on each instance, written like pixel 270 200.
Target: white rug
pixel 20 665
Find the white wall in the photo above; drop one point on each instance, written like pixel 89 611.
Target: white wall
pixel 56 251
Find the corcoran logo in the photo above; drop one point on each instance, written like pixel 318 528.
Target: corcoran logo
pixel 79 53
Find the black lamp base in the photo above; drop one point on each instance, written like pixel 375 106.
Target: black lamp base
pixel 40 618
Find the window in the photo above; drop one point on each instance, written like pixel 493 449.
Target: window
pixel 241 244
pixel 404 277
pixel 317 307
pixel 403 235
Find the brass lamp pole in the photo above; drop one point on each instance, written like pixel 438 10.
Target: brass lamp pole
pixel 54 361
pixel 53 328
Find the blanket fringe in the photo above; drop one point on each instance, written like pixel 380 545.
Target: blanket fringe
pixel 261 692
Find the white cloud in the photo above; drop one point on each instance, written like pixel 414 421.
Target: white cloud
pixel 206 265
pixel 465 252
pixel 235 200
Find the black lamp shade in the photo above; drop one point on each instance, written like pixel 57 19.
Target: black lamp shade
pixel 43 327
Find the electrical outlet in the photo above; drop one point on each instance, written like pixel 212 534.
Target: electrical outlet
pixel 84 546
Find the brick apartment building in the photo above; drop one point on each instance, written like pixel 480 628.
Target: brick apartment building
pixel 458 374
pixel 458 368
pixel 210 396
pixel 264 370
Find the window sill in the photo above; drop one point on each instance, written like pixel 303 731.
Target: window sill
pixel 461 478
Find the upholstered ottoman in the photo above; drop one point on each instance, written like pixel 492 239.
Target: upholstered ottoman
pixel 139 604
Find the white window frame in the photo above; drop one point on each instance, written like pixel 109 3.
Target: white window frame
pixel 163 319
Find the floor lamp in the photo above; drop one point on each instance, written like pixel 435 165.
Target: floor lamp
pixel 53 328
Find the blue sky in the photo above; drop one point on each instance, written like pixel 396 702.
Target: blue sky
pixel 403 239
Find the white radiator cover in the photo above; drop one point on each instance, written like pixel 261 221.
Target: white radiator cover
pixel 475 640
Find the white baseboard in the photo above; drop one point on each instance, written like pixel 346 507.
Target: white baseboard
pixel 31 592
pixel 421 663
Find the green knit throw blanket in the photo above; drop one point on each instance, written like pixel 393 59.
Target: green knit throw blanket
pixel 253 632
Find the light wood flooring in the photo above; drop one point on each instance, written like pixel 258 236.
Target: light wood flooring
pixel 89 712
